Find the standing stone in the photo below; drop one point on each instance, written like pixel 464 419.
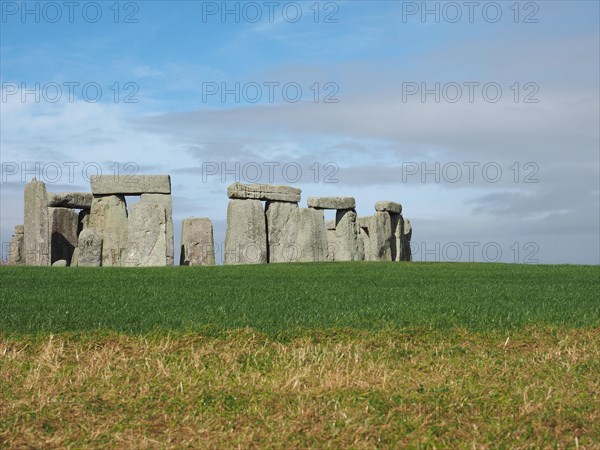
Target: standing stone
pixel 364 236
pixel 348 244
pixel 197 242
pixel 147 236
pixel 281 229
pixel 75 257
pixel 311 235
pixel 380 236
pixel 89 248
pixel 330 225
pixel 62 226
pixel 16 250
pixel 397 224
pixel 166 201
pixel 108 217
pixel 407 235
pixel 246 236
pixel 35 228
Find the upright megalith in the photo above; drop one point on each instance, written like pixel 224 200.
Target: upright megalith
pixel 348 244
pixel 62 226
pixel 264 192
pixel 330 226
pixel 406 254
pixel 147 236
pixel 380 236
pixel 130 184
pixel 16 249
pixel 281 230
pixel 108 217
pixel 166 201
pixel 393 210
pixel 246 236
pixel 35 228
pixel 363 232
pixel 89 248
pixel 197 242
pixel 311 235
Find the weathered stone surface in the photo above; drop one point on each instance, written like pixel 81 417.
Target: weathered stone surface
pixel 331 244
pixel 35 228
pixel 311 235
pixel 364 236
pixel 75 257
pixel 364 222
pixel 60 263
pixel 246 236
pixel 281 229
pixel 331 202
pixel 130 184
pixel 397 238
pixel 166 201
pixel 16 249
pixel 348 244
pixel 84 220
pixel 330 224
pixel 89 248
pixel 197 242
pixel 380 236
pixel 76 200
pixel 147 236
pixel 267 192
pixel 386 206
pixel 108 217
pixel 62 226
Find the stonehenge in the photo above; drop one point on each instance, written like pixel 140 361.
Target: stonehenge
pixel 265 224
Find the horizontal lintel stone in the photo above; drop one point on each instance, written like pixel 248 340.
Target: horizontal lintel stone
pixel 130 184
pixel 74 200
pixel 331 202
pixel 388 206
pixel 267 192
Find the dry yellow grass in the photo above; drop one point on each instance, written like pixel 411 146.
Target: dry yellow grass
pixel 339 389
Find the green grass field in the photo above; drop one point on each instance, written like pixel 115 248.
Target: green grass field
pixel 335 355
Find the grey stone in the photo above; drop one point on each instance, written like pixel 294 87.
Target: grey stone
pixel 407 235
pixel 331 244
pixel 62 226
pixel 84 220
pixel 364 236
pixel 397 225
pixel 281 229
pixel 166 201
pixel 16 249
pixel 35 228
pixel 246 236
pixel 310 241
pixel 108 217
pixel 60 263
pixel 348 244
pixel 267 192
pixel 89 248
pixel 197 242
pixel 76 200
pixel 387 206
pixel 380 236
pixel 147 236
pixel 130 184
pixel 364 222
pixel 330 224
pixel 331 202
pixel 75 257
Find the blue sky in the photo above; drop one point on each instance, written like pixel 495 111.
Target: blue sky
pixel 529 165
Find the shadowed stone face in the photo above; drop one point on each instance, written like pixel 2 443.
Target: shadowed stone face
pixel 197 242
pixel 63 224
pixel 246 236
pixel 147 236
pixel 76 200
pixel 108 217
pixel 35 228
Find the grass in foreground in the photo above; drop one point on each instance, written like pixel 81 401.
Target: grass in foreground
pixel 356 389
pixel 280 299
